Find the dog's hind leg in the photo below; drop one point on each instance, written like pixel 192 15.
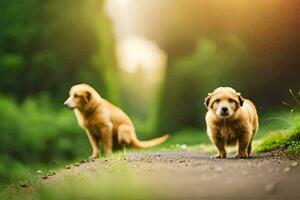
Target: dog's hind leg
pixel 125 133
pixel 249 148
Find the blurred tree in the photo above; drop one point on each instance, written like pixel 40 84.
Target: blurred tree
pixel 51 45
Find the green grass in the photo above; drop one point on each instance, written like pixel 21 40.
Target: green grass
pixel 273 141
pixel 274 121
pixel 118 182
pixel 288 139
pixel 189 137
pixel 183 139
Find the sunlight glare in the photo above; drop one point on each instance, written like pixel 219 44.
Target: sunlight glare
pixel 136 52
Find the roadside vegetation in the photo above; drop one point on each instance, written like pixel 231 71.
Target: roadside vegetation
pixel 115 183
pixel 286 139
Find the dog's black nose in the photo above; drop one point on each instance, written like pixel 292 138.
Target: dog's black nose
pixel 224 109
pixel 65 104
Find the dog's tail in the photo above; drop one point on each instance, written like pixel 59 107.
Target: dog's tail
pixel 149 143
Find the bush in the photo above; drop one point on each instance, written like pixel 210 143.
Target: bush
pixel 285 139
pixel 293 143
pixel 35 132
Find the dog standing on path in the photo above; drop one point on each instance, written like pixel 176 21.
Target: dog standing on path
pixel 105 121
pixel 230 120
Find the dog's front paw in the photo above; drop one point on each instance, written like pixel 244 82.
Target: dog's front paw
pixel 218 156
pixel 241 155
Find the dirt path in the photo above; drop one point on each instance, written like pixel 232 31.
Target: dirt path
pixel 192 175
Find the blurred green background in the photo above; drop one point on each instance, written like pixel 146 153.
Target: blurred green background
pixel 157 60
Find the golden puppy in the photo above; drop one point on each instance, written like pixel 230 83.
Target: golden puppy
pixel 102 120
pixel 230 120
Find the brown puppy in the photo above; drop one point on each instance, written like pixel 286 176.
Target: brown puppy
pixel 102 120
pixel 230 120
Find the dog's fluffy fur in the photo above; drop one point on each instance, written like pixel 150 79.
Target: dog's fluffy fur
pixel 103 120
pixel 230 120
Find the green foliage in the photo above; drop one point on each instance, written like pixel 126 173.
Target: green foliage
pixel 293 147
pixel 112 186
pixel 35 133
pixel 273 141
pixel 188 136
pixel 119 183
pixel 183 139
pixel 286 139
pixel 60 44
pixel 293 143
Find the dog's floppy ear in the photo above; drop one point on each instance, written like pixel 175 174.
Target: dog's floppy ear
pixel 207 100
pixel 241 99
pixel 87 96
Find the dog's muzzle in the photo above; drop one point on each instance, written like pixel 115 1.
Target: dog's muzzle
pixel 224 111
pixel 67 105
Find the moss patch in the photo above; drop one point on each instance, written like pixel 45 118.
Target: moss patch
pixel 286 139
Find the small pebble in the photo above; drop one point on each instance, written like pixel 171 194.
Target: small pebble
pixel 51 173
pixel 270 187
pixel 45 177
pixel 77 164
pixel 218 169
pixel 287 169
pixel 68 167
pixel 24 183
pixel 270 169
pixel 82 161
pixel 294 164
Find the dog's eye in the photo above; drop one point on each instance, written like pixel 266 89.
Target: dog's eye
pixel 231 100
pixel 76 95
pixel 217 100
